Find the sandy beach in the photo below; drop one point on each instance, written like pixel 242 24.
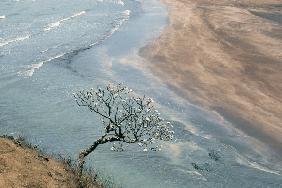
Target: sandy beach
pixel 226 56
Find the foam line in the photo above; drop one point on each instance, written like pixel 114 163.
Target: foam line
pixel 58 23
pixel 17 39
pixel 33 67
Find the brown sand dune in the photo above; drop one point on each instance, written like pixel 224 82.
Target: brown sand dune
pixel 226 55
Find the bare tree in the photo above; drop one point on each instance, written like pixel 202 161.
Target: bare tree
pixel 126 118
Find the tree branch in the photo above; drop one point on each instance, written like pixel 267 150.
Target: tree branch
pixel 84 153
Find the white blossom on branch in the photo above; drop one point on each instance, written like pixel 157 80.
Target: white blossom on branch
pixel 126 118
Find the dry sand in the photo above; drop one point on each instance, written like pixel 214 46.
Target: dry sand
pixel 226 55
pixel 24 167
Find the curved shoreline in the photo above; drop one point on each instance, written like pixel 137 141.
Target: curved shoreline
pixel 218 55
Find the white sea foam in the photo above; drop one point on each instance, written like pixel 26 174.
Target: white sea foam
pixel 31 68
pixel 120 2
pixel 58 23
pixel 17 39
pixel 243 161
pixel 125 17
pixel 127 12
pixel 2 17
pixel 43 51
pixel 193 173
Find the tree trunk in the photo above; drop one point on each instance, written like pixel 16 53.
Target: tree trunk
pixel 84 153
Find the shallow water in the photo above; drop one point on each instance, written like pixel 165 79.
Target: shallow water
pixel 48 50
pixel 274 17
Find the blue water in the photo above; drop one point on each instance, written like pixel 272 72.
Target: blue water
pixel 50 49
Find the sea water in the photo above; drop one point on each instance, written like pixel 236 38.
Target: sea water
pixel 50 49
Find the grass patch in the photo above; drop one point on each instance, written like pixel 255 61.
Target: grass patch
pixel 90 177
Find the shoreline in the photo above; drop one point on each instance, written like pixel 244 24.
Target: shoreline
pixel 217 55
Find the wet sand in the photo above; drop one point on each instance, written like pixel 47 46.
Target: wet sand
pixel 226 56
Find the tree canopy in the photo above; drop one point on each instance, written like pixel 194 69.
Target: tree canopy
pixel 126 118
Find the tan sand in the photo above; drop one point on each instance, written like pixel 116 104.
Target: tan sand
pixel 223 55
pixel 23 167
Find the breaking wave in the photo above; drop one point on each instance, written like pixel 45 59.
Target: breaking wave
pixel 17 39
pixel 58 23
pixel 69 55
pixel 243 161
pixel 116 25
pixel 31 68
pixel 2 17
